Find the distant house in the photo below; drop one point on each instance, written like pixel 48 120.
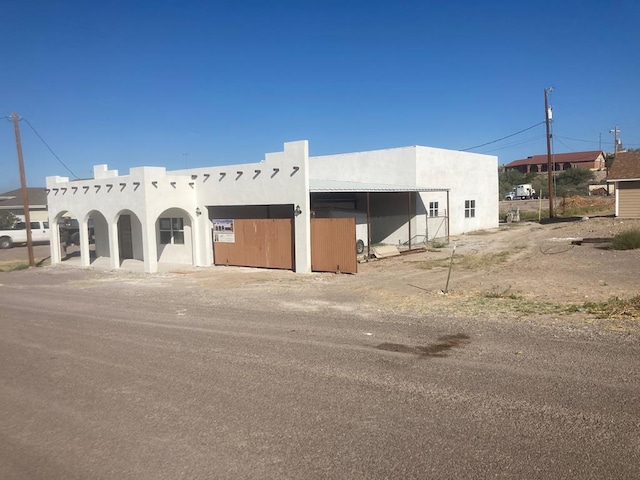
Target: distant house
pixel 593 160
pixel 625 174
pixel 12 202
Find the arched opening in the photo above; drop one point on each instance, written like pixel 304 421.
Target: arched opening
pixel 66 238
pixel 174 237
pixel 98 237
pixel 130 243
pixel 566 166
pixel 534 169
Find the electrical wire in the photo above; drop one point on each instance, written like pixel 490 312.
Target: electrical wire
pixel 579 140
pixel 558 139
pixel 50 149
pixel 503 138
pixel 594 141
pixel 514 144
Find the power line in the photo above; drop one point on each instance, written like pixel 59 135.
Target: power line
pixel 591 141
pixel 558 139
pixel 509 145
pixel 503 138
pixel 579 140
pixel 50 149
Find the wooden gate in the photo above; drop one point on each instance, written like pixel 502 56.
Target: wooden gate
pixel 264 243
pixel 333 245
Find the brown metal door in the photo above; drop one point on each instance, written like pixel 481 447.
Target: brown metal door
pixel 333 245
pixel 125 241
pixel 264 243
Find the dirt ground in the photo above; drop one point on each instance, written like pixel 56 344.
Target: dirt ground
pixel 525 271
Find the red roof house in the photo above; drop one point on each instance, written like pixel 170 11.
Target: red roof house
pixel 593 160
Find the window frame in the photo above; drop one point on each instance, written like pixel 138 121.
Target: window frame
pixel 469 209
pixel 434 209
pixel 171 230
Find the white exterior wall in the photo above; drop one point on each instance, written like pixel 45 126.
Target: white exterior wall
pixel 469 176
pixel 282 178
pixel 150 192
pixel 394 166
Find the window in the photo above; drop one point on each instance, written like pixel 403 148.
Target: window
pixel 433 209
pixel 171 231
pixel 469 208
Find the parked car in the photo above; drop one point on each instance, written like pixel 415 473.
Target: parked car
pixel 18 234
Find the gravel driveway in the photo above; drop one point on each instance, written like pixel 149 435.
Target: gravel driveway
pixel 245 373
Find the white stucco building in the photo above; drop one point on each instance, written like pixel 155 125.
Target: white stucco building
pixel 409 195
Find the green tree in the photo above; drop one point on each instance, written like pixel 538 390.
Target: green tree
pixel 508 179
pixel 574 181
pixel 7 220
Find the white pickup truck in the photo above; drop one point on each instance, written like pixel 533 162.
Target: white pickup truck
pixel 18 234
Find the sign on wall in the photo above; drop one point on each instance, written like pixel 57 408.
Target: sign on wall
pixel 223 231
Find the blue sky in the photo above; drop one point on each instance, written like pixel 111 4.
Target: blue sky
pixel 146 82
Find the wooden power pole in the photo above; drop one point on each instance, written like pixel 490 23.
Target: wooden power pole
pixel 23 186
pixel 547 115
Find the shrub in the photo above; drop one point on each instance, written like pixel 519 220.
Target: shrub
pixel 627 240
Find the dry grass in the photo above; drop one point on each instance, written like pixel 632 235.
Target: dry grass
pixel 577 206
pixel 468 261
pixel 615 308
pixel 13 266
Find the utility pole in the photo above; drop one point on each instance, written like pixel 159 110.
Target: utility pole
pixel 615 132
pixel 548 119
pixel 23 185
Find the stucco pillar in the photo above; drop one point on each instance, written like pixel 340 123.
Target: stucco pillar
pixel 302 226
pixel 196 241
pixel 297 155
pixel 208 241
pixel 114 248
pixel 54 242
pixel 85 259
pixel 149 247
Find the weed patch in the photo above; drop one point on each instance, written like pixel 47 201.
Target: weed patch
pixel 438 244
pixel 475 261
pixel 614 308
pixel 503 294
pixel 12 267
pixel 627 240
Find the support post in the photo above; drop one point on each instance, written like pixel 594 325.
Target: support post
pixel 368 227
pixel 25 195
pixel 547 114
pixel 409 215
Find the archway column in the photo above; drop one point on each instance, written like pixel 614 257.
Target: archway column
pixel 85 259
pixel 114 248
pixel 149 246
pixel 197 240
pixel 54 242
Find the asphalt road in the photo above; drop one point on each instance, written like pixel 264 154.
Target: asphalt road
pixel 105 377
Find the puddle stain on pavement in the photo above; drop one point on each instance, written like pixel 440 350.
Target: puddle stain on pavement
pixel 440 349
